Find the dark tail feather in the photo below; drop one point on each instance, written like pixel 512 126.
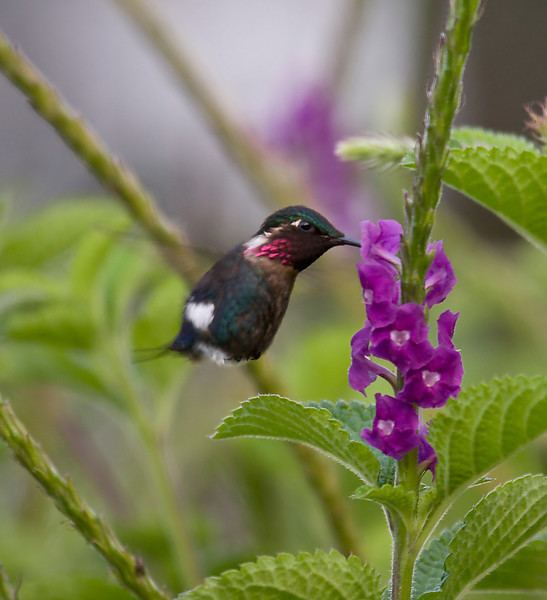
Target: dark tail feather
pixel 146 354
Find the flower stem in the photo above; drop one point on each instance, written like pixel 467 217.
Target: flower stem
pixel 257 165
pixel 128 569
pixel 108 170
pixel 431 155
pixel 175 528
pixel 7 592
pixel 432 147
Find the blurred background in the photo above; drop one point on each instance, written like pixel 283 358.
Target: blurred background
pixel 81 288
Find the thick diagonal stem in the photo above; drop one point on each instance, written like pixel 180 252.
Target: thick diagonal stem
pixel 113 175
pixel 128 569
pixel 257 166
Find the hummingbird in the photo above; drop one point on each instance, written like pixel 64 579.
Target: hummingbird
pixel 236 308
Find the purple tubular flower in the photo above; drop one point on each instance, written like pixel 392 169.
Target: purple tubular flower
pixel 381 291
pixel 446 324
pixel 381 241
pixel 437 380
pixel 362 371
pixel 394 429
pixel 403 341
pixel 440 278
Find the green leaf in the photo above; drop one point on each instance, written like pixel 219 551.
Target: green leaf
pixel 524 573
pixel 396 498
pixel 429 571
pixel 61 324
pixel 275 417
pixel 494 530
pixel 45 235
pixel 484 426
pixel 465 137
pixel 511 183
pixel 20 288
pixel 505 173
pixel 317 576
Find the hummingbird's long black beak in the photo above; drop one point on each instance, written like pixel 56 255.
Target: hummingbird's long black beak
pixel 346 241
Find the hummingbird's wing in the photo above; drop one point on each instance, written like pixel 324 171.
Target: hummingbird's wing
pixel 246 304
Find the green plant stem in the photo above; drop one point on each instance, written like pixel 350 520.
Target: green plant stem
pixel 110 172
pixel 345 42
pixel 176 530
pixel 431 155
pixel 258 166
pixel 7 591
pixel 432 147
pixel 127 568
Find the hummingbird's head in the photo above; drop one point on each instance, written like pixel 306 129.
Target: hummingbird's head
pixel 295 236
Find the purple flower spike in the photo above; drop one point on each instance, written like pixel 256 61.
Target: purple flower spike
pixel 394 429
pixel 436 381
pixel 404 341
pixel 446 324
pixel 440 277
pixel 381 291
pixel 381 241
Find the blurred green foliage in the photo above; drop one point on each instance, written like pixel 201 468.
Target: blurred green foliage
pixel 81 291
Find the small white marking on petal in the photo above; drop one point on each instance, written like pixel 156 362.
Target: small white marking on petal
pixel 256 241
pixel 385 427
pixel 200 314
pixel 215 354
pixel 430 378
pixel 399 337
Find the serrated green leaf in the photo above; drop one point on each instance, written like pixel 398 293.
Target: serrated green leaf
pixel 495 529
pixel 512 184
pixel 396 498
pixel 317 576
pixel 465 137
pixel 429 571
pixel 484 426
pixel 524 573
pixel 275 417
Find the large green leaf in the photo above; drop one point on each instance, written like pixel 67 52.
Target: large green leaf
pixel 275 417
pixel 525 573
pixel 505 173
pixel 398 499
pixel 485 425
pixel 317 576
pixel 511 183
pixel 494 530
pixel 429 571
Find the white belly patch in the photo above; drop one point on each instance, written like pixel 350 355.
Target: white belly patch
pixel 200 314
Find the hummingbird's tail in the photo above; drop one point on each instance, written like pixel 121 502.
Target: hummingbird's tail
pixel 146 354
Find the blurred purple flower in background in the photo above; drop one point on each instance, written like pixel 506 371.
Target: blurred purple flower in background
pixel 305 133
pixel 399 333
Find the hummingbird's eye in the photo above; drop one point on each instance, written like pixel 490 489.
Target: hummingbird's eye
pixel 305 226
